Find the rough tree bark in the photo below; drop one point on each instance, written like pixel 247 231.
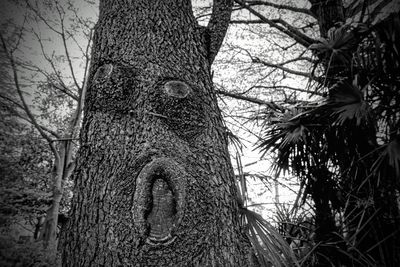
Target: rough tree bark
pixel 153 182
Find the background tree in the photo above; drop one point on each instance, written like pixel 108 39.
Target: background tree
pixel 47 91
pixel 331 145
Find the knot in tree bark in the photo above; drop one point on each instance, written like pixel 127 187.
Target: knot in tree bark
pixel 177 89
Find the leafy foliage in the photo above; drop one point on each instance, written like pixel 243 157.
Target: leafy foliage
pixel 270 247
pixel 26 254
pixel 346 149
pixel 339 44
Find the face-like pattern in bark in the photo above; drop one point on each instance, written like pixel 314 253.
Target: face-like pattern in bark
pixel 154 182
pixel 103 73
pixel 177 89
pixel 181 106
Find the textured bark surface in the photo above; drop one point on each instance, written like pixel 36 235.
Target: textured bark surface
pixel 153 182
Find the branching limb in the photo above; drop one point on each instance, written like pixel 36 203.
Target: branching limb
pixel 50 61
pixel 78 111
pixel 57 83
pixel 24 104
pixel 254 100
pixel 285 28
pixel 281 67
pixel 87 58
pixel 81 92
pixel 43 19
pixel 13 102
pixel 308 59
pixel 285 7
pixel 18 114
pixel 289 88
pixel 259 21
pixel 218 25
pixel 66 50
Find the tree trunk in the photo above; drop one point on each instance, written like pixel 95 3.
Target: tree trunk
pixel 49 228
pixel 328 14
pixel 153 182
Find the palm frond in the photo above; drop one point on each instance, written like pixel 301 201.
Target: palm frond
pixel 271 248
pixel 338 45
pixel 389 157
pixel 296 139
pixel 346 103
pixel 284 133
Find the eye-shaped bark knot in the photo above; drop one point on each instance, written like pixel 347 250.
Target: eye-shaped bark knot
pixel 177 89
pixel 103 72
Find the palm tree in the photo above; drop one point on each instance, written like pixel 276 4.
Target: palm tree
pixel 346 150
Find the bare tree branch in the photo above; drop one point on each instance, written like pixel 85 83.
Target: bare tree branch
pixel 289 88
pixel 61 14
pixel 56 135
pixel 254 100
pixel 259 21
pixel 12 101
pixel 17 114
pixel 308 59
pixel 50 79
pixel 285 7
pixel 19 36
pixel 50 61
pixel 43 19
pixel 81 94
pixel 279 66
pixel 239 21
pixel 218 25
pixel 287 28
pixel 24 104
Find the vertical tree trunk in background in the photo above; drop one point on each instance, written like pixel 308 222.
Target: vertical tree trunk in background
pixel 324 219
pixel 328 14
pixel 153 181
pixel 50 224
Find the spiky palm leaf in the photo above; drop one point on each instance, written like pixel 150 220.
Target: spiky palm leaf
pixel 337 47
pixel 271 248
pixel 346 103
pixel 297 226
pixel 294 138
pixel 388 159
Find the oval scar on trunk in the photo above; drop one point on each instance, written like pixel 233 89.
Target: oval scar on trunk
pixel 159 201
pixel 177 89
pixel 163 209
